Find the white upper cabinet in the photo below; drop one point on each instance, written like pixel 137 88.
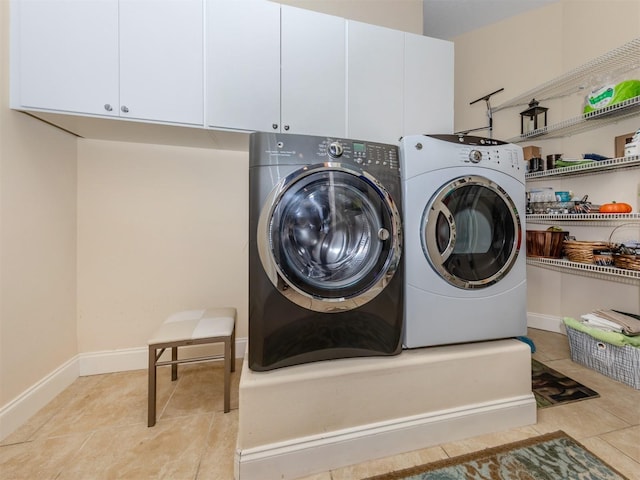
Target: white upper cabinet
pixel 268 67
pixel 374 82
pixel 64 56
pixel 243 65
pixel 139 59
pixel 313 86
pixel 428 85
pixel 162 60
pixel 275 68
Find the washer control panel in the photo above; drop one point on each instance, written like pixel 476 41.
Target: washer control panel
pixel 361 153
pixel 294 149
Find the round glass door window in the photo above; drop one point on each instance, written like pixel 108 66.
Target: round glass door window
pixel 471 232
pixel 332 235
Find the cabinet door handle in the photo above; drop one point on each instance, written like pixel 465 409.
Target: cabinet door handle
pixel 108 107
pixel 124 109
pixel 274 126
pixel 286 127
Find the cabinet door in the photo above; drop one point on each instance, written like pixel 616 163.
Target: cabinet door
pixel 313 85
pixel 162 60
pixel 243 64
pixel 374 82
pixel 428 85
pixel 65 56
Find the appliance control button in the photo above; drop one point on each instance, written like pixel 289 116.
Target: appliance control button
pixel 335 149
pixel 475 156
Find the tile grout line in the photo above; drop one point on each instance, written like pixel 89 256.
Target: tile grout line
pixel 206 444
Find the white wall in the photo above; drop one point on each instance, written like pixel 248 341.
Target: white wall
pixel 37 242
pixel 520 53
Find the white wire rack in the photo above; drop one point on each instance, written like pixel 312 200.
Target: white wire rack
pixel 597 218
pixel 588 121
pixel 587 168
pixel 615 62
pixel 587 269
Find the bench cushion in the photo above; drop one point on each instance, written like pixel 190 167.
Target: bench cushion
pixel 195 325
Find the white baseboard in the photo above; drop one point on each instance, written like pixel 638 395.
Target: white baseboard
pixel 305 456
pixel 110 361
pixel 18 411
pixel 549 323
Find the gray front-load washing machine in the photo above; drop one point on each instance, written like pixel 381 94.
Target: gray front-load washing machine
pixel 325 245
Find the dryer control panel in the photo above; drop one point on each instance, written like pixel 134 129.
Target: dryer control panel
pixel 431 152
pixel 487 152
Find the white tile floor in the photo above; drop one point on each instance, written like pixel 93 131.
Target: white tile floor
pixel 96 429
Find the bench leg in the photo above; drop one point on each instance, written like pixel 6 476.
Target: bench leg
pixel 174 366
pixel 151 409
pixel 228 362
pixel 233 349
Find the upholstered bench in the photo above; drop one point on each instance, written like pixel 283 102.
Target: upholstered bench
pixel 192 327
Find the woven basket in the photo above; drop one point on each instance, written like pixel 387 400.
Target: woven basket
pixel 624 258
pixel 629 262
pixel 544 243
pixel 581 251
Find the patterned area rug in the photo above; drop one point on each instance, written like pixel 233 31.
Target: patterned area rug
pixel 554 456
pixel 551 387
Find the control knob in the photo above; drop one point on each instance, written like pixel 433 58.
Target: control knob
pixel 335 149
pixel 475 156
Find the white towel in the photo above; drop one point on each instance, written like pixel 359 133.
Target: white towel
pixel 595 321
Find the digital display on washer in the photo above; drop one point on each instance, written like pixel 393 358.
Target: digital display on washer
pixel 359 147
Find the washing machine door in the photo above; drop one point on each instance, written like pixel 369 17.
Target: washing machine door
pixel 329 237
pixel 471 232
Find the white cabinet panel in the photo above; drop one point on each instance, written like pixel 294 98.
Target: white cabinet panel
pixel 161 60
pixel 428 85
pixel 313 82
pixel 64 55
pixel 374 82
pixel 139 59
pixel 243 64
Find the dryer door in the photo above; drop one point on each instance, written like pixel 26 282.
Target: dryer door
pixel 329 237
pixel 471 232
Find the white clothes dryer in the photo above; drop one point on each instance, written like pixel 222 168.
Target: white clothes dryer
pixel 464 221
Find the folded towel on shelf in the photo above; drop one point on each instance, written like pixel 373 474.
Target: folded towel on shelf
pixel 629 324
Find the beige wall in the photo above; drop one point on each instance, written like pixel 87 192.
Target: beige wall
pixel 37 242
pixel 520 53
pixel 160 229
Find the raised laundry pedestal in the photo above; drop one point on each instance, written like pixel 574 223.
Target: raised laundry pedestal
pixel 320 416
